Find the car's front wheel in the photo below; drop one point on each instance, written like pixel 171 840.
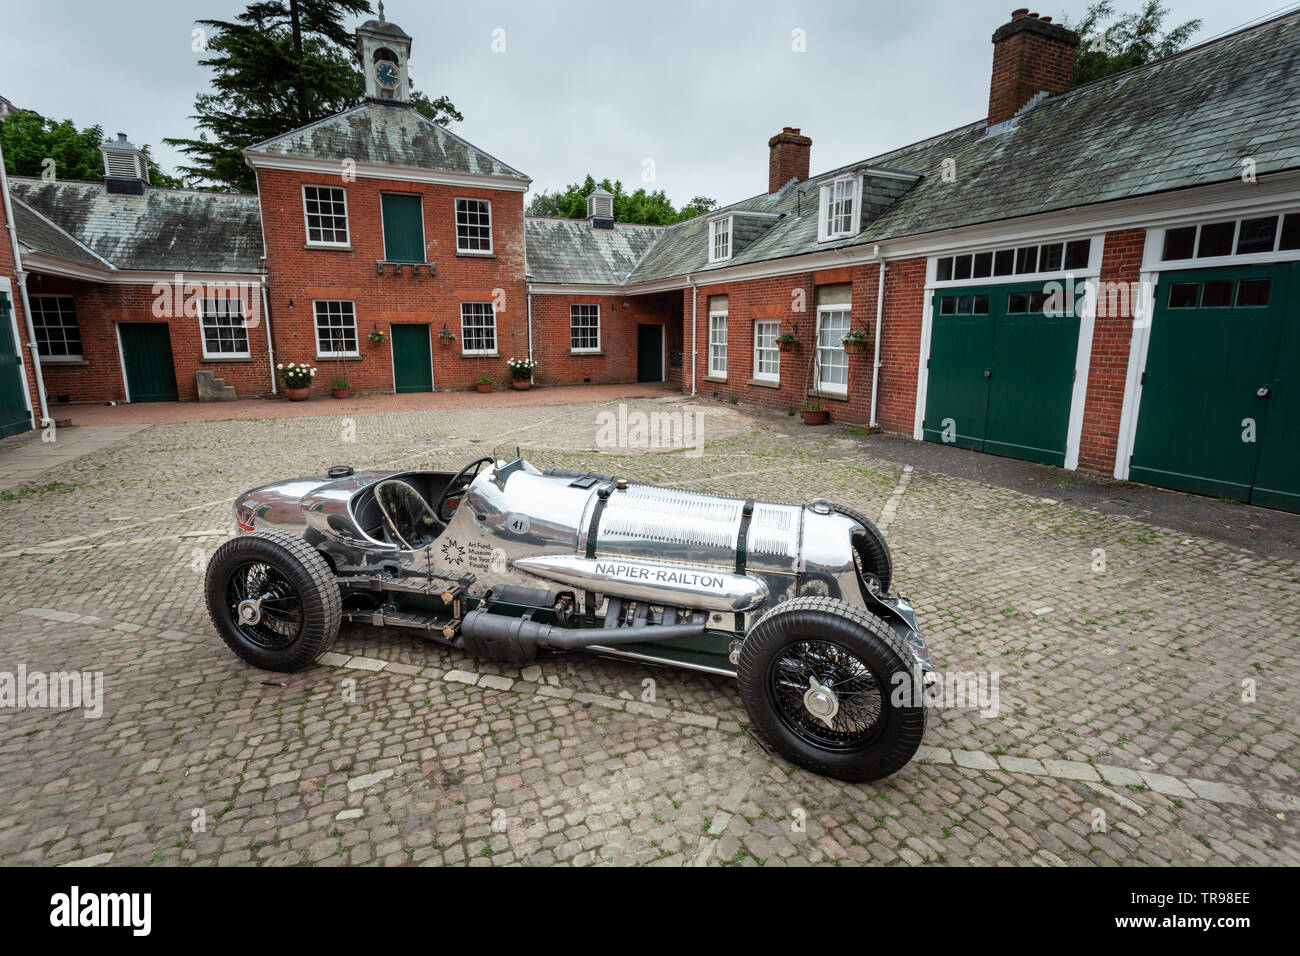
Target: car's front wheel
pixel 833 688
pixel 273 599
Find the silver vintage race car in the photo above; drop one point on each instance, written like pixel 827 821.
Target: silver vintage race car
pixel 500 559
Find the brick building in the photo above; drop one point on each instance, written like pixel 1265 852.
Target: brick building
pixel 1102 276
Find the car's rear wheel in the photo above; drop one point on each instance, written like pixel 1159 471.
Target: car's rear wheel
pixel 273 600
pixel 833 688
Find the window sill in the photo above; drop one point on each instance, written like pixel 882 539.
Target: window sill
pixel 327 247
pixel 586 351
pixel 53 360
pixel 352 357
pixel 764 383
pixel 715 378
pixel 472 355
pixel 829 395
pixel 468 254
pixel 214 359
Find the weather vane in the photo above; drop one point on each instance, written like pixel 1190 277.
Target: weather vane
pixel 381 10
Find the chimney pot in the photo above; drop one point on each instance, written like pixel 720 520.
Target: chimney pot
pixel 788 156
pixel 1030 55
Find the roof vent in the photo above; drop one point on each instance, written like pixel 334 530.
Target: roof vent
pixel 125 169
pixel 600 209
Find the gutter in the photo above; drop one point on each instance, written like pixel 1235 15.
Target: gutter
pixel 528 298
pixel 880 310
pixel 27 306
pixel 270 341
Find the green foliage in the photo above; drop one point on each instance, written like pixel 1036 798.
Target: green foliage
pixel 1110 45
pixel 28 139
pixel 647 208
pixel 279 65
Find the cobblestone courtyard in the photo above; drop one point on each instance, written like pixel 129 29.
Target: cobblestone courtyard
pixel 1147 679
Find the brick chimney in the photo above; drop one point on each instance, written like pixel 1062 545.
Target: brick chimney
pixel 787 158
pixel 1030 54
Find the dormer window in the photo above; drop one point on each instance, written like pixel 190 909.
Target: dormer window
pixel 839 208
pixel 720 239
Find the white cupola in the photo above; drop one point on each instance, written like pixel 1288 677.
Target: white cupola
pixel 384 49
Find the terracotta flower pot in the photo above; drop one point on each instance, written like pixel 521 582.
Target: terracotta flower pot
pixel 523 384
pixel 298 394
pixel 345 392
pixel 815 416
pixel 483 386
pixel 855 348
pixel 786 346
pixel 446 341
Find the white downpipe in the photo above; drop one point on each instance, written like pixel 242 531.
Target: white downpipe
pixel 875 365
pixel 27 305
pixel 270 346
pixel 695 306
pixel 528 298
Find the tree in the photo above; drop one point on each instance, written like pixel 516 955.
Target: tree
pixel 648 208
pixel 279 65
pixel 30 139
pixel 1129 40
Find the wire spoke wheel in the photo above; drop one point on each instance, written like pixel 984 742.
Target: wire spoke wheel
pixel 265 605
pixel 826 695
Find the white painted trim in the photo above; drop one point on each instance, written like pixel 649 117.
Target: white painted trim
pixel 356 329
pixel 923 358
pixel 586 305
pixel 121 361
pixel 818 387
pixel 58 295
pixel 714 225
pixel 306 224
pixel 203 339
pixel 406 174
pixel 491 249
pixel 7 290
pixel 496 333
pixel 1138 345
pixel 543 289
pixel 708 365
pixel 766 376
pixel 39 262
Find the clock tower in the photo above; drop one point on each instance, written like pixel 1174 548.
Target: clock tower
pixel 384 49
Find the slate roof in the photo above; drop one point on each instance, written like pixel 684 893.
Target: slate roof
pixel 165 230
pixel 38 234
pixel 1186 120
pixel 388 134
pixel 571 251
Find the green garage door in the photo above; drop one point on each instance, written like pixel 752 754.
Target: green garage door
pixel 147 359
pixel 1220 410
pixel 412 360
pixel 1001 372
pixel 14 416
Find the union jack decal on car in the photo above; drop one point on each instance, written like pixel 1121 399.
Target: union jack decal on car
pixel 244 518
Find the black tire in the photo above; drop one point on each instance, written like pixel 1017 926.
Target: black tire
pixel 300 619
pixel 870 547
pixel 858 650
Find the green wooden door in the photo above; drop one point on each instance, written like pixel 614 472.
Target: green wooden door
pixel 147 358
pixel 649 353
pixel 1277 479
pixel 403 228
pixel 14 416
pixel 1218 414
pixel 1001 372
pixel 412 360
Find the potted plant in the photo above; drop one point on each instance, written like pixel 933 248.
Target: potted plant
pixel 786 342
pixel 855 342
pixel 813 413
pixel 446 338
pixel 483 383
pixel 296 377
pixel 521 373
pixel 378 336
pixel 340 388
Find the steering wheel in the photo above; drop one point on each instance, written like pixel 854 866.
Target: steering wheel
pixel 458 484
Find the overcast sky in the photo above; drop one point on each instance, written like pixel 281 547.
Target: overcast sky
pixel 589 87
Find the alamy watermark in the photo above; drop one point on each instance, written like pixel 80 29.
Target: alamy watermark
pixel 658 430
pixel 954 690
pixel 55 690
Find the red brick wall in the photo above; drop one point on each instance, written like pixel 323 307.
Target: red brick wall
pixel 900 344
pixel 15 302
pixel 619 317
pixel 792 300
pixel 299 275
pixel 1121 261
pixel 99 377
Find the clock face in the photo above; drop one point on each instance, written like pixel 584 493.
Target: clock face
pixel 386 73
